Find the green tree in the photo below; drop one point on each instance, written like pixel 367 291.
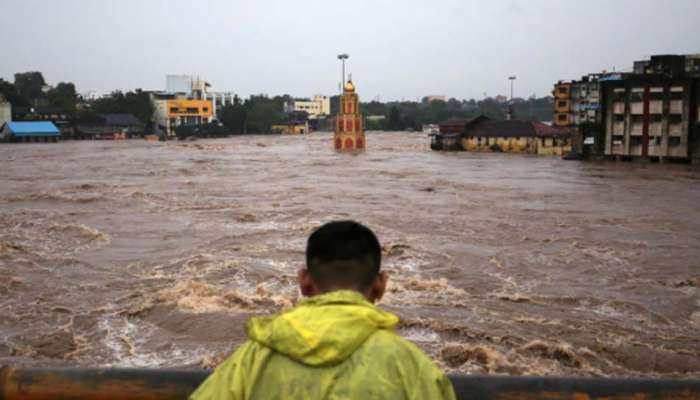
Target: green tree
pixel 9 91
pixel 137 103
pixel 30 85
pixel 63 96
pixel 233 116
pixel 394 122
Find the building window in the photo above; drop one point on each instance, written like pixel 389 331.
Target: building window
pixel 192 110
pixel 675 119
pixel 173 110
pixel 656 118
pixel 617 139
pixel 637 119
pixel 205 109
pixel 676 93
pixel 563 89
pixel 561 117
pixel 635 140
pixel 637 95
pixel 619 118
pixel 561 103
pixel 619 95
pixel 674 141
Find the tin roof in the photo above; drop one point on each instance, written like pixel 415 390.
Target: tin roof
pixel 45 128
pixel 513 128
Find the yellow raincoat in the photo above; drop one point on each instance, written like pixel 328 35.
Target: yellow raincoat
pixel 333 346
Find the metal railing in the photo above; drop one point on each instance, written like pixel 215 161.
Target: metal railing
pixel 157 384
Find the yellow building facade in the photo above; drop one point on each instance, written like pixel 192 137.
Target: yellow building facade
pixel 503 144
pixel 349 127
pixel 295 128
pixel 171 113
pixel 515 136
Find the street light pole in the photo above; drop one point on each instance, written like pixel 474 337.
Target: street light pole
pixel 342 58
pixel 512 79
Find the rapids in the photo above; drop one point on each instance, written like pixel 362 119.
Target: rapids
pixel 146 254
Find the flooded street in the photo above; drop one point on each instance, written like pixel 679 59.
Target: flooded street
pixel 155 254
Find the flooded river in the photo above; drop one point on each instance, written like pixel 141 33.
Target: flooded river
pixel 155 254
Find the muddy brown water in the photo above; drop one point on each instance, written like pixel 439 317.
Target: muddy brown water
pixel 155 254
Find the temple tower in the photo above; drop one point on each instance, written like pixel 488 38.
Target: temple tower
pixel 349 129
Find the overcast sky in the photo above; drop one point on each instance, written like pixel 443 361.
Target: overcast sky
pixel 398 49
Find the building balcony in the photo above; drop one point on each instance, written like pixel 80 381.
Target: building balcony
pixel 675 129
pixel 637 129
pixel 676 107
pixel 656 107
pixel 637 108
pixel 618 128
pixel 618 108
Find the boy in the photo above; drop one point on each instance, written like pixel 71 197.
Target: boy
pixel 334 345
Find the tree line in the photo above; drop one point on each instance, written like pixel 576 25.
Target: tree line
pixel 413 115
pixel 258 113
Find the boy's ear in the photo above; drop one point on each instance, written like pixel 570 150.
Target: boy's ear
pixel 378 287
pixel 306 283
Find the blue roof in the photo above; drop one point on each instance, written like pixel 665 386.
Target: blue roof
pixel 33 128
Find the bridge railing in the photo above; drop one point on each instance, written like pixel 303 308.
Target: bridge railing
pixel 161 384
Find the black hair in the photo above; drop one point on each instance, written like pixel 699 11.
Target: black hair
pixel 343 255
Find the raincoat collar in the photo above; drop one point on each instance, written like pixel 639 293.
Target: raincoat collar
pixel 322 330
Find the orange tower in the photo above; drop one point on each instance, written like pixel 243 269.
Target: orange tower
pixel 349 131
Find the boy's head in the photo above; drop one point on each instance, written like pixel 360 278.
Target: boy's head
pixel 343 255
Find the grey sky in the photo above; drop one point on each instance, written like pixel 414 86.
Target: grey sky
pixel 398 49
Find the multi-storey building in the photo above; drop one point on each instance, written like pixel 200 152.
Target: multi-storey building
pixel 563 110
pixel 585 100
pixel 195 88
pixel 173 110
pixel 318 106
pixel 652 115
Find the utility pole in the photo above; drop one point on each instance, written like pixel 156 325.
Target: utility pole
pixel 509 114
pixel 342 58
pixel 512 79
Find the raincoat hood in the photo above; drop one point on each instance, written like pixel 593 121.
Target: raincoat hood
pixel 322 330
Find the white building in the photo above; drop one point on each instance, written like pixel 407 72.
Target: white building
pixel 5 111
pixel 195 88
pixel 316 107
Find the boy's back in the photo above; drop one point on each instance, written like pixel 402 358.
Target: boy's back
pixel 332 346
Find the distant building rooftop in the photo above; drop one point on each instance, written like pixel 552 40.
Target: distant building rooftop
pixel 33 128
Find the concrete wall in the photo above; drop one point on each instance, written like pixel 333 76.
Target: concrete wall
pixel 505 144
pixel 553 146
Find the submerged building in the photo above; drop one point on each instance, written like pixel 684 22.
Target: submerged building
pixel 349 129
pixel 483 134
pixel 30 131
pixel 652 113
